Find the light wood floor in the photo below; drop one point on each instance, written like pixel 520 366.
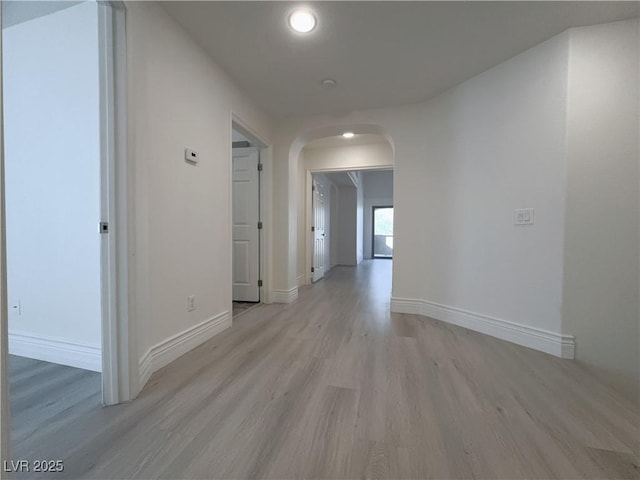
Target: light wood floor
pixel 46 396
pixel 333 386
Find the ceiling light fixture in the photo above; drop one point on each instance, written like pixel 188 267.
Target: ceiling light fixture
pixel 348 134
pixel 302 21
pixel 328 83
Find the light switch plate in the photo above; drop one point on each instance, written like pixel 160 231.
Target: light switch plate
pixel 523 216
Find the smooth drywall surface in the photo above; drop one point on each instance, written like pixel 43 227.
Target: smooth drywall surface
pixel 347 226
pixel 303 209
pixel 378 183
pixel 378 192
pixel 602 233
pixel 496 143
pixel 179 98
pixel 52 154
pixel 359 218
pixel 463 163
pixel 5 416
pixel 333 219
pixel 355 157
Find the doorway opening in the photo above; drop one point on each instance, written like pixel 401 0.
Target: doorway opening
pixel 341 223
pixel 339 181
pixel 247 226
pixel 318 230
pixel 382 232
pixel 66 213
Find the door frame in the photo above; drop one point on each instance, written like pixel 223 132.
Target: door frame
pixel 119 354
pixel 308 210
pixel 5 415
pixel 265 235
pixel 119 347
pixel 373 234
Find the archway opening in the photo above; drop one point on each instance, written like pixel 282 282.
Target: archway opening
pixel 340 179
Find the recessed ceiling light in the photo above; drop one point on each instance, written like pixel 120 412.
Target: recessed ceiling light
pixel 302 21
pixel 328 83
pixel 348 134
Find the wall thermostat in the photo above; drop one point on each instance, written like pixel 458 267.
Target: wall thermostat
pixel 191 156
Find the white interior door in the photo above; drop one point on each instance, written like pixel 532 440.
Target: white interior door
pixel 318 236
pixel 246 215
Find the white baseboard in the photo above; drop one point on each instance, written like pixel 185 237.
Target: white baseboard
pixel 174 347
pixel 549 342
pixel 284 296
pixel 55 350
pixel 300 280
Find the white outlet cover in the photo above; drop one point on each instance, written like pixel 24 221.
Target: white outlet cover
pixel 191 156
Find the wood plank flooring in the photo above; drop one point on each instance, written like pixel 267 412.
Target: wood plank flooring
pixel 334 386
pixel 45 397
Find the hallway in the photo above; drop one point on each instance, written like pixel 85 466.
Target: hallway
pixel 334 386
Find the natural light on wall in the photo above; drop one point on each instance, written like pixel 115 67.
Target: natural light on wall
pixel 382 232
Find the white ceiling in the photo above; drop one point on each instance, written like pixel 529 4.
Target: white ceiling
pixel 340 141
pixel 380 53
pixel 340 179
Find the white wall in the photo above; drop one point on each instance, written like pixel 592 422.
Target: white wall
pixel 333 218
pixel 505 140
pixel 359 218
pixel 463 162
pixel 178 97
pixel 378 191
pixel 602 233
pixel 5 416
pixel 354 157
pixel 303 208
pixel 347 226
pixel 378 183
pixel 493 144
pixel 52 151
